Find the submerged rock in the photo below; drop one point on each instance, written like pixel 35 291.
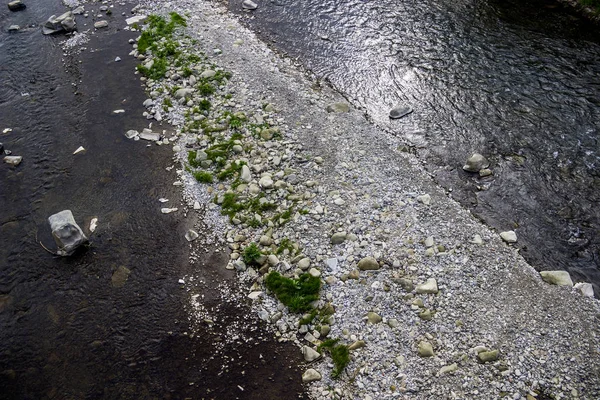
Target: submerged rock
pixel 67 234
pixel 509 236
pixel 16 5
pixel 249 5
pixel 399 112
pixel 476 163
pixel 101 24
pixel 13 160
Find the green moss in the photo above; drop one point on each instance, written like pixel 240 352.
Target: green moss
pixel 296 294
pixel 204 105
pixel 251 253
pixel 203 176
pixel 167 102
pixel 192 159
pixel 234 168
pixel 339 354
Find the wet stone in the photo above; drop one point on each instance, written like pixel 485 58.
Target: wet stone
pixel 399 112
pixel 476 163
pixel 119 277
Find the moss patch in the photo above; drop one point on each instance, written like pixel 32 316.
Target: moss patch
pixel 339 354
pixel 296 294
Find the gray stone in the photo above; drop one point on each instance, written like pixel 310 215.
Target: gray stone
pixel 54 24
pixel 338 108
pixel 119 277
pixel 272 260
pixel 425 199
pixel 399 112
pixel 509 236
pixel 68 24
pixel 79 10
pixel 249 5
pixel 67 234
pixel 310 354
pixel 311 375
pixel 425 349
pixel 101 24
pixel 561 278
pixel 14 28
pixel 304 264
pixel 266 182
pixel 368 264
pixel 338 237
pixel 13 160
pixel 16 5
pixel 130 134
pixel 373 318
pixel 475 163
pixel 246 175
pixel 209 73
pixel 429 287
pixel 314 272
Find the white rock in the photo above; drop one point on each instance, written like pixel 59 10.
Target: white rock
pixel 477 239
pixel 196 205
pixel 80 149
pixel 13 160
pixel 249 5
pixel 246 175
pixel 167 210
pixel 425 199
pixel 585 288
pixel 314 272
pixel 130 134
pixel 255 295
pixel 509 236
pixel 93 224
pixel 101 24
pixel 304 264
pixel 117 59
pixel 151 136
pixel 138 19
pixel 266 182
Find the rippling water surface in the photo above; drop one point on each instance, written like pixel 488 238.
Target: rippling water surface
pixel 516 81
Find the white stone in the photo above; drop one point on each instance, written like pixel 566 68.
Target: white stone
pixel 249 5
pixel 304 264
pixel 191 235
pixel 101 24
pixel 266 182
pixel 255 295
pixel 310 354
pixel 314 272
pixel 311 375
pixel 561 278
pixel 425 199
pixel 585 288
pixel 13 160
pixel 429 287
pixel 80 149
pixel 167 210
pixel 246 175
pixel 137 19
pixel 509 236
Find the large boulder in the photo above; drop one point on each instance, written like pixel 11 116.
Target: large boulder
pixel 16 5
pixel 62 23
pixel 67 234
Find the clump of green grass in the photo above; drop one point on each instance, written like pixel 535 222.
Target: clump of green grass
pixel 192 159
pixel 234 168
pixel 285 244
pixel 206 89
pixel 204 105
pixel 339 354
pixel 203 176
pixel 251 254
pixel 167 102
pixel 296 294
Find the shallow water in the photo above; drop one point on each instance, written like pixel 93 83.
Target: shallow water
pixel 67 330
pixel 517 82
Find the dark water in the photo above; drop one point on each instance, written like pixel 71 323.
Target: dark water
pixel 65 331
pixel 516 81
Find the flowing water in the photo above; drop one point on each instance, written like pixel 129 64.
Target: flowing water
pixel 516 81
pixel 67 328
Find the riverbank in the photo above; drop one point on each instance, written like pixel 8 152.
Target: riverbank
pixel 430 302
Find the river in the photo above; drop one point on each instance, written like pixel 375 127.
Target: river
pixel 515 81
pixel 70 327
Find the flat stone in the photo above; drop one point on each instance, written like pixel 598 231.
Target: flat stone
pixel 130 134
pixel 368 264
pixel 475 163
pixel 183 92
pixel 425 349
pixel 585 288
pixel 101 24
pixel 272 260
pixel 429 287
pixel 509 236
pixel 338 237
pixel 151 136
pixel 338 108
pixel 399 112
pixel 560 278
pixel 357 345
pixel 137 19
pixel 14 28
pixel 373 318
pixel 488 356
pixel 255 295
pixel 13 160
pixel 119 277
pixel 311 375
pixel 310 354
pixel 209 73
